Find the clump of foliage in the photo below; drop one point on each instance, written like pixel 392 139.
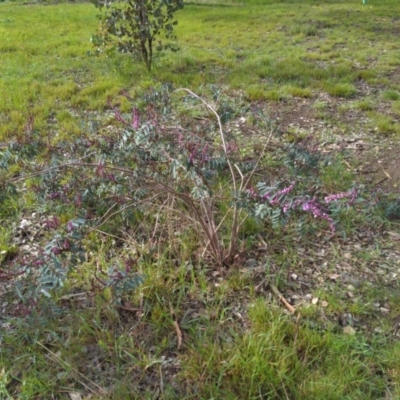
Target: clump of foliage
pixel 178 167
pixel 136 27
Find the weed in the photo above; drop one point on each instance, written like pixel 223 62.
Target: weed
pixel 345 90
pixel 384 124
pixel 391 95
pixel 365 105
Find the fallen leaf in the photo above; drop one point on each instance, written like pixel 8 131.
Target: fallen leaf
pixel 178 333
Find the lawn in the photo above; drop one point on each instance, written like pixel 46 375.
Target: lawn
pixel 307 304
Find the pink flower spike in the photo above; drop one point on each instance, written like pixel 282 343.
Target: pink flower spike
pixel 334 197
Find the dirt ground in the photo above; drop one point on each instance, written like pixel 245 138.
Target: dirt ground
pixel 377 157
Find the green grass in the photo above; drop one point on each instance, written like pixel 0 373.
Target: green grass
pixel 259 50
pixel 282 359
pixel 383 124
pixel 239 341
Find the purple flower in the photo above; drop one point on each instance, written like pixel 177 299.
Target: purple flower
pixel 334 197
pixel 52 222
pixel 318 212
pixel 287 206
pixel 54 195
pixel 56 251
pixel 277 197
pixel 231 147
pixel 70 226
pixel 251 193
pixel 78 200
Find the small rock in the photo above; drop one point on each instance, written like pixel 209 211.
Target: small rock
pixel 24 224
pixel 350 295
pixel 346 319
pixel 349 330
pixel 324 265
pixel 354 281
pixel 6 326
pixel 26 248
pixel 251 263
pixel 384 310
pixel 314 300
pixel 350 287
pixel 324 304
pixel 308 296
pixel 293 276
pixel 380 272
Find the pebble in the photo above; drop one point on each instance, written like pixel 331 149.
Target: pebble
pixel 251 263
pixel 349 330
pixel 380 272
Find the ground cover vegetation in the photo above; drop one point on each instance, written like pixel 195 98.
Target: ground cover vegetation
pixel 223 226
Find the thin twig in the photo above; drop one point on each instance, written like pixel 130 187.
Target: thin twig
pixel 222 136
pixel 282 299
pixel 66 165
pixel 176 326
pixel 110 235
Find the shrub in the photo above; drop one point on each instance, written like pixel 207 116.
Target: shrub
pixel 176 167
pixel 133 27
